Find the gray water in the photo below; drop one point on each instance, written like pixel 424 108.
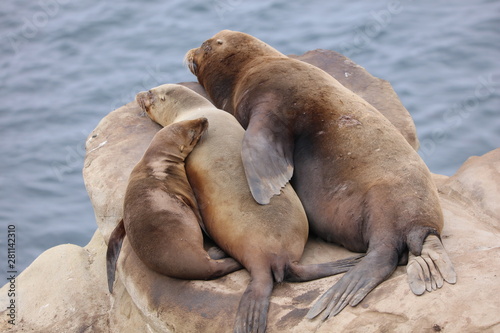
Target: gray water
pixel 65 64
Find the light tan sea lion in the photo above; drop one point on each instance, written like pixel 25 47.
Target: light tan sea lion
pixel 267 240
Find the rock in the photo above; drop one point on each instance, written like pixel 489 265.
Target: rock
pixel 65 289
pixel 63 282
pixel 465 186
pixel 113 148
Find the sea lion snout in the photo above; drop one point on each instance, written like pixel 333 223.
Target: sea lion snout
pixel 189 61
pixel 199 127
pixel 145 99
pixel 203 123
pixel 191 130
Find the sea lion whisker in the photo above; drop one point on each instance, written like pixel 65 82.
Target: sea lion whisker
pixel 188 62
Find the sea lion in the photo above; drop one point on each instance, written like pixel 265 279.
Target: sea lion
pixel 267 240
pixel 160 213
pixel 362 185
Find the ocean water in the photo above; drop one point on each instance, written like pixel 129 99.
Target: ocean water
pixel 65 64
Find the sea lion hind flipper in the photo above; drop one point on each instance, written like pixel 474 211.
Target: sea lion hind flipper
pixel 254 305
pixel 427 271
pixel 355 284
pixel 303 273
pixel 267 159
pixel 114 246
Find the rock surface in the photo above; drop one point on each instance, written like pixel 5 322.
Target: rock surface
pixel 65 288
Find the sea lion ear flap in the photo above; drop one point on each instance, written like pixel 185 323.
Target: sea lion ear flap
pixel 267 159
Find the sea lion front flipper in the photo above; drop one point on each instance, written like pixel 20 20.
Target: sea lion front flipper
pixel 427 271
pixel 355 284
pixel 114 246
pixel 267 155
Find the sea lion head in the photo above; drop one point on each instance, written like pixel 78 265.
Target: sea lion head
pixel 168 101
pixel 183 134
pixel 227 50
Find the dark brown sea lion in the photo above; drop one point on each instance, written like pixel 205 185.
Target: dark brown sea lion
pixel 362 185
pixel 160 212
pixel 267 240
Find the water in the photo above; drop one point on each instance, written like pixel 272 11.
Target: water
pixel 66 64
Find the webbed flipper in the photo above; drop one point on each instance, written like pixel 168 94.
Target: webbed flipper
pixel 267 155
pixel 431 268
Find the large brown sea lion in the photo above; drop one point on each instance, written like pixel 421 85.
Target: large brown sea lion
pixel 160 213
pixel 362 185
pixel 267 240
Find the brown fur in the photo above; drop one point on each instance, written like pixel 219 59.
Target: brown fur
pixel 161 216
pixel 267 240
pixel 362 185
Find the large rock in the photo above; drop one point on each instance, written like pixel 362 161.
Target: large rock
pixel 65 289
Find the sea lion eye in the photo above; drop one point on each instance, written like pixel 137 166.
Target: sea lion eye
pixel 220 42
pixel 150 96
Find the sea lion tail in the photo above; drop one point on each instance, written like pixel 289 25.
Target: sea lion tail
pixel 278 269
pixel 114 246
pixel 415 238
